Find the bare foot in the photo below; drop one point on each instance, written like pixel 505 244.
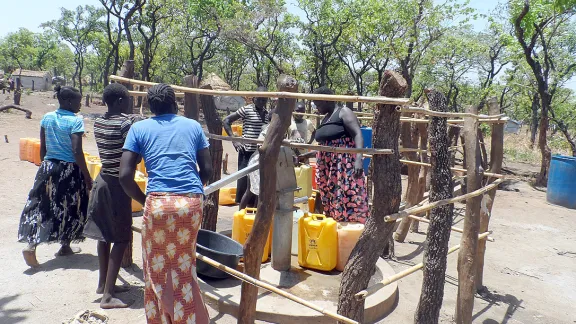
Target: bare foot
pixel 111 302
pixel 117 289
pixel 30 258
pixel 67 250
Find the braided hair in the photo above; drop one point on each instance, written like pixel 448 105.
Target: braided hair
pixel 162 99
pixel 69 98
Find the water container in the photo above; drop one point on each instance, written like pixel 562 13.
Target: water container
pixel 24 148
pixel 367 136
pixel 91 163
pixel 562 181
pixel 304 181
pixel 227 196
pixel 348 235
pixel 141 181
pixel 312 201
pixel 36 152
pixel 242 224
pixel 295 218
pixel 97 169
pixel 142 168
pixel 239 130
pixel 317 242
pixel 313 167
pixel 30 149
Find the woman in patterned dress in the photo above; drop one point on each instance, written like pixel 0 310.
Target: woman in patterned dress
pixel 340 176
pixel 175 151
pixel 56 207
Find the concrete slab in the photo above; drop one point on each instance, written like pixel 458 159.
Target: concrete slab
pixel 316 287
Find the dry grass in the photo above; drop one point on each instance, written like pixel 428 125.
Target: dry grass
pixel 517 148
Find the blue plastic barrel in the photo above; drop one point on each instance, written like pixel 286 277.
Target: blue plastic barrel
pixel 367 135
pixel 562 181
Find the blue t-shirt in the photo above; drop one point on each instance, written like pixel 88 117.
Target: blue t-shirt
pixel 58 127
pixel 168 144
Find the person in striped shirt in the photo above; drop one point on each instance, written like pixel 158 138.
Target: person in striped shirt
pixel 254 117
pixel 110 208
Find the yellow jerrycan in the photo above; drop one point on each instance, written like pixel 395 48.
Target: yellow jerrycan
pixel 304 181
pixel 242 224
pixel 24 148
pixel 141 181
pixel 227 196
pixel 348 236
pixel 317 242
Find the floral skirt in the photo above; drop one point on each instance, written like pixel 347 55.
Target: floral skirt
pixel 169 232
pixel 56 207
pixel 343 195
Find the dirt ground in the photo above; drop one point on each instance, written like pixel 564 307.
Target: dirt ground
pixel 530 269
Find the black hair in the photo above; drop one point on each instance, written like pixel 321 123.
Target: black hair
pixel 113 92
pixel 162 99
pixel 262 89
pixel 298 103
pixel 324 90
pixel 66 92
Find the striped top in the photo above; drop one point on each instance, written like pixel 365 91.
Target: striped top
pixel 58 127
pixel 252 124
pixel 110 132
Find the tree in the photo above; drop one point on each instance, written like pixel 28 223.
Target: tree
pixel 539 29
pixel 77 28
pixel 17 50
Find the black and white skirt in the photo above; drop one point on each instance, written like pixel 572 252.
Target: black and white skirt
pixel 57 204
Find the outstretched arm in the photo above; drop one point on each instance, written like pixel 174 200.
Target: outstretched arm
pixel 352 126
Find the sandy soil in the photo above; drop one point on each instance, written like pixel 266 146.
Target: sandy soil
pixel 530 269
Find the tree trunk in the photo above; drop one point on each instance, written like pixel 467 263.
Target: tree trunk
pixel 191 105
pixel 484 156
pixel 254 246
pixel 214 124
pixel 542 179
pixel 534 124
pixel 469 241
pixel 18 92
pixel 412 197
pixel 388 189
pixel 496 157
pixel 436 248
pixel 127 71
pixel 423 177
pixel 453 134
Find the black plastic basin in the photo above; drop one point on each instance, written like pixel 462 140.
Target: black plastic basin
pixel 219 248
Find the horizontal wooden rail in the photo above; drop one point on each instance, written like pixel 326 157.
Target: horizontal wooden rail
pixel 420 208
pixel 374 288
pixel 429 112
pixel 500 120
pixel 303 146
pixel 309 96
pixel 453 228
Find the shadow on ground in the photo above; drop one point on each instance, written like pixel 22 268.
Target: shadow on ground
pixel 10 316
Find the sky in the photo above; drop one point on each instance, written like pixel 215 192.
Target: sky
pixel 43 11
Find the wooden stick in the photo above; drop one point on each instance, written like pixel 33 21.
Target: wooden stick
pixel 264 285
pixel 28 112
pixel 501 120
pixel 303 146
pixel 144 94
pixel 308 96
pixel 486 174
pixel 273 289
pixel 363 294
pixel 454 229
pixel 422 208
pixel 446 114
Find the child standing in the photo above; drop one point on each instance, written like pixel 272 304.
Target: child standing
pixel 110 209
pixel 56 207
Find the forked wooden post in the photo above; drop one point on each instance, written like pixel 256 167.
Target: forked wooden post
pixel 214 125
pixel 269 152
pixel 496 156
pixel 436 250
pixel 469 241
pixel 387 187
pixel 191 100
pixel 127 71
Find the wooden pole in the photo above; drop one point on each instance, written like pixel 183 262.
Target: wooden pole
pixel 410 137
pixel 453 228
pixel 214 125
pixel 460 170
pixel 469 241
pixel 127 72
pixel 87 102
pixel 278 94
pixel 496 156
pixel 430 112
pixel 429 206
pixel 388 189
pixel 18 92
pixel 191 100
pixel 404 273
pixel 441 186
pixel 269 151
pixel 28 112
pixel 423 176
pixel 304 146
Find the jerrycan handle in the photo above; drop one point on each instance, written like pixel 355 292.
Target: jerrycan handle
pixel 318 217
pixel 250 210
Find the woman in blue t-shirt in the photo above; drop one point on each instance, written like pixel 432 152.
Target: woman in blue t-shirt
pixel 56 207
pixel 175 151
